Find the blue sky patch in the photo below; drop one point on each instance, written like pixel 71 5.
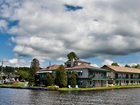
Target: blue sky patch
pixel 12 23
pixel 6 46
pixel 72 7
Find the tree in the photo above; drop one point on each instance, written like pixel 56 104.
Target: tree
pixel 35 65
pixel 49 79
pixel 72 56
pixel 72 79
pixel 33 69
pixel 61 77
pixel 127 66
pixel 115 64
pixel 136 66
pixel 24 74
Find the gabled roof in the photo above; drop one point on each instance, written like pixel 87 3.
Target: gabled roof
pixel 52 67
pixel 48 69
pixel 86 66
pixel 122 69
pixel 80 61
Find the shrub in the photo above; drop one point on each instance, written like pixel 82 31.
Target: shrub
pixel 53 87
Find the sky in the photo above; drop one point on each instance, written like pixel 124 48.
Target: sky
pixel 98 31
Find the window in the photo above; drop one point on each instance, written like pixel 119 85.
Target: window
pixel 80 73
pixel 127 76
pixel 90 82
pixel 81 83
pixel 116 75
pixel 131 76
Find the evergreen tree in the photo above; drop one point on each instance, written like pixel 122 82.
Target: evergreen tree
pixel 61 77
pixel 33 69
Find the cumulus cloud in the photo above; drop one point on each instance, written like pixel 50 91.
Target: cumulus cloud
pixel 48 30
pixel 15 62
pixel 107 62
pixel 3 26
pixel 95 65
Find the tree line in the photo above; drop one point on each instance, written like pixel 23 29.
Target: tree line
pixel 127 65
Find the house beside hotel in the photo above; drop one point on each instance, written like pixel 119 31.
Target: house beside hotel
pixel 122 75
pixel 42 73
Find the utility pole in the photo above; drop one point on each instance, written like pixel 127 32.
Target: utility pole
pixel 2 67
pixel 2 63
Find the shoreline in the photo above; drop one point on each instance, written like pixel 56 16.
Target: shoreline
pixel 30 88
pixel 73 89
pixel 98 88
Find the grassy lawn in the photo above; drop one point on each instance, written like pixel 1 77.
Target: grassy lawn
pixel 99 88
pixel 18 84
pixel 25 86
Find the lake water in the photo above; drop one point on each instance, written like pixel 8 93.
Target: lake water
pixel 37 97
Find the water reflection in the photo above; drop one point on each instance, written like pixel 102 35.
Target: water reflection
pixel 33 97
